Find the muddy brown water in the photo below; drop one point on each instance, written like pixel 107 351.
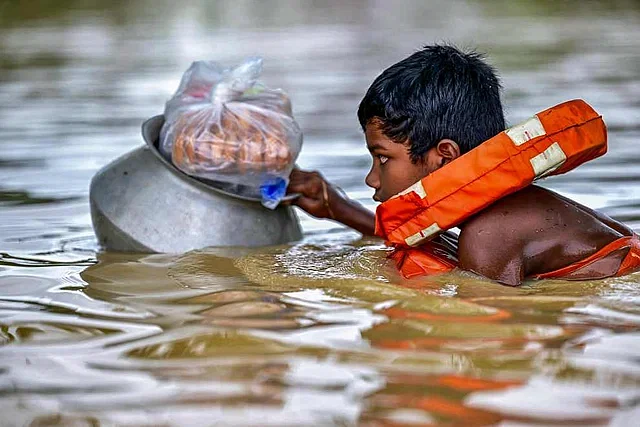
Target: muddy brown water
pixel 315 333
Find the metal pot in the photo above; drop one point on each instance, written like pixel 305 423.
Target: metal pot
pixel 142 203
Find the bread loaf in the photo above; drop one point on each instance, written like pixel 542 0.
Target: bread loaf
pixel 246 138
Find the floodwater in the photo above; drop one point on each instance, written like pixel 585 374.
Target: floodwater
pixel 318 332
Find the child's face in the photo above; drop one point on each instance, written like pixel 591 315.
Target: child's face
pixel 392 170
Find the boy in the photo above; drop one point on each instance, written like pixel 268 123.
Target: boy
pixel 431 108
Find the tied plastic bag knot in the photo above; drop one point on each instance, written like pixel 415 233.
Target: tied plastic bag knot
pixel 222 125
pixel 235 82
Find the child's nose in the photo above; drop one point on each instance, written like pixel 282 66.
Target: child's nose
pixel 372 179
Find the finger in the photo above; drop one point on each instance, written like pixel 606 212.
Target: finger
pixel 296 173
pixel 306 204
pixel 296 187
pixel 298 178
pixel 304 188
pixel 297 182
pixel 302 174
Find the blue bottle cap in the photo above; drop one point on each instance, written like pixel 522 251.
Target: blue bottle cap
pixel 272 191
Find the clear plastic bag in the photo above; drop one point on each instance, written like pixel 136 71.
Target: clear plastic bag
pixel 222 125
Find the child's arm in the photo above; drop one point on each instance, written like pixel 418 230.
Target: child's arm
pixel 321 200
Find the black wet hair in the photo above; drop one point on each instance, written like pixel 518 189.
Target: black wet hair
pixel 437 93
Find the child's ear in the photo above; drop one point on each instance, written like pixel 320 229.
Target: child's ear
pixel 447 150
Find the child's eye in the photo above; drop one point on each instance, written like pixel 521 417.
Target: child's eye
pixel 383 159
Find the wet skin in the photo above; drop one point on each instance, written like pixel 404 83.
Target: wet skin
pixel 536 231
pixel 530 232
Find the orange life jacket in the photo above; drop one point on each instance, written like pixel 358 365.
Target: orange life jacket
pixel 552 142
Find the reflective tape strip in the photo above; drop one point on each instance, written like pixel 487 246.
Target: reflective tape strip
pixel 416 188
pixel 526 131
pixel 548 161
pixel 423 235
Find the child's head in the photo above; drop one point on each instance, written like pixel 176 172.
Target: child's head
pixel 426 110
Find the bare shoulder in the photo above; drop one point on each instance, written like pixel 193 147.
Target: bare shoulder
pixel 495 242
pixel 531 232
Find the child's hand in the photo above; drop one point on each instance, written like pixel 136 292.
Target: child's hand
pixel 317 197
pixel 320 199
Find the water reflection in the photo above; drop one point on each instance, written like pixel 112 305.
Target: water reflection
pixel 321 332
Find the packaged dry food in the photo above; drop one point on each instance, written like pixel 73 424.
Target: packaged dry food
pixel 223 126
